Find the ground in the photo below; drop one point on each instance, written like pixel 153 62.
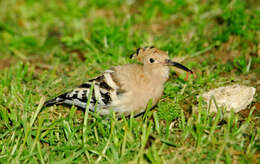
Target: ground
pixel 49 47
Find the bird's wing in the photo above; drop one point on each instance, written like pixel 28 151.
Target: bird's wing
pixel 105 91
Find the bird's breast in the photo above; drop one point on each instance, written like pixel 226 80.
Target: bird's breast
pixel 137 96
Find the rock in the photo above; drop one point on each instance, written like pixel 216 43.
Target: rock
pixel 236 97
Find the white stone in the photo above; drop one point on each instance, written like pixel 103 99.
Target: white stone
pixel 236 97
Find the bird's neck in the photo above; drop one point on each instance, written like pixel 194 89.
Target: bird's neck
pixel 158 73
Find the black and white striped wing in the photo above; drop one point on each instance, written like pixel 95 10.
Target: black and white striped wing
pixel 102 95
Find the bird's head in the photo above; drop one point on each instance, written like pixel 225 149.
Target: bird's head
pixel 150 56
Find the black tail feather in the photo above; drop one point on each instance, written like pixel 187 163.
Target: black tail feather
pixel 50 102
pixel 55 101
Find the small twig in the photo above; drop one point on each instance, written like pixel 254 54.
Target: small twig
pixel 204 50
pixel 182 58
pixel 248 65
pixel 18 54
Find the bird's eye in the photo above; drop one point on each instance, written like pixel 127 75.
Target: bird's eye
pixel 151 60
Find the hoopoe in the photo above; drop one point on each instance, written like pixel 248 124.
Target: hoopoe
pixel 126 88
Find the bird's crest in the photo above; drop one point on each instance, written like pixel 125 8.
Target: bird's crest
pixel 141 51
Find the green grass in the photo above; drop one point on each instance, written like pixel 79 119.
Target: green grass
pixel 49 47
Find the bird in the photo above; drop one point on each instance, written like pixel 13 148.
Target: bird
pixel 124 89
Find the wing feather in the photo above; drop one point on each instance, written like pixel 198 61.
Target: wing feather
pixel 105 91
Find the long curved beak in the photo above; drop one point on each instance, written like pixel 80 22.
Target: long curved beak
pixel 178 65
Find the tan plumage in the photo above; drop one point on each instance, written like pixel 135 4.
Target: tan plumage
pixel 126 88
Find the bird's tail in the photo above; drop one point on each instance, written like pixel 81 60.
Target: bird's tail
pixel 55 101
